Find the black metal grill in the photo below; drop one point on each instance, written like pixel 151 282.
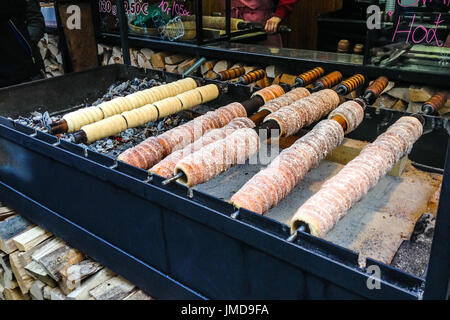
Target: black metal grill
pixel 179 245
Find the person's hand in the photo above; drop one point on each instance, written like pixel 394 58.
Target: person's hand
pixel 272 25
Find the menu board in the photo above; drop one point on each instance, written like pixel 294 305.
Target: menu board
pixel 166 19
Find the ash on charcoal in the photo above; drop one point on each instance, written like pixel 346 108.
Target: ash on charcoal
pixel 412 256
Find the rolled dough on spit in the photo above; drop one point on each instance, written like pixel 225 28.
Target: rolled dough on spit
pixel 77 119
pixel 338 194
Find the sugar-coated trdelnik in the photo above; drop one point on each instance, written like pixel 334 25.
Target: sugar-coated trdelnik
pixel 154 149
pixel 304 112
pixel 166 167
pixel 272 184
pixel 338 194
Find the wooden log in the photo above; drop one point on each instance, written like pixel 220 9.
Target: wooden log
pixel 37 290
pixel 10 228
pixel 175 59
pixel 82 292
pixel 400 93
pixel 287 79
pixel 15 294
pixel 185 65
pixel 50 246
pixel 62 285
pixel 172 68
pixel 100 49
pixel 6 212
pixel 106 58
pixel 414 107
pixel 2 296
pixel 386 101
pixel 207 66
pixel 221 65
pixel 399 105
pixel 56 257
pixel 277 79
pixel 143 62
pixel 7 279
pixel 46 292
pixel 419 93
pixel 31 238
pixel 138 295
pixel 117 51
pixel 133 58
pixel 25 257
pixel 263 83
pixel 115 288
pixel 78 272
pixel 53 49
pixel 39 273
pixel 147 53
pixel 158 60
pixel 57 294
pixel 250 68
pixel 42 45
pixel 59 260
pixel 24 280
pixel 237 65
pixel 272 71
pixel 210 75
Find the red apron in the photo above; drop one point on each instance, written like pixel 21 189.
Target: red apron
pixel 258 11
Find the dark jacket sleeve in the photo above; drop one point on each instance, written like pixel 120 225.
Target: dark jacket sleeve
pixel 11 9
pixel 284 8
pixel 35 21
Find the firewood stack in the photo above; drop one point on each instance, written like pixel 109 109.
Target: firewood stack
pixel 178 63
pixel 48 47
pixel 36 265
pixel 410 98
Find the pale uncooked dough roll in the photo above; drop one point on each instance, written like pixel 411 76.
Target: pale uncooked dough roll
pixel 209 92
pixel 142 98
pixel 150 112
pixel 190 99
pixel 338 194
pixel 105 128
pixel 168 106
pixel 77 119
pixel 134 101
pixel 140 116
pixel 110 108
pixel 186 84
